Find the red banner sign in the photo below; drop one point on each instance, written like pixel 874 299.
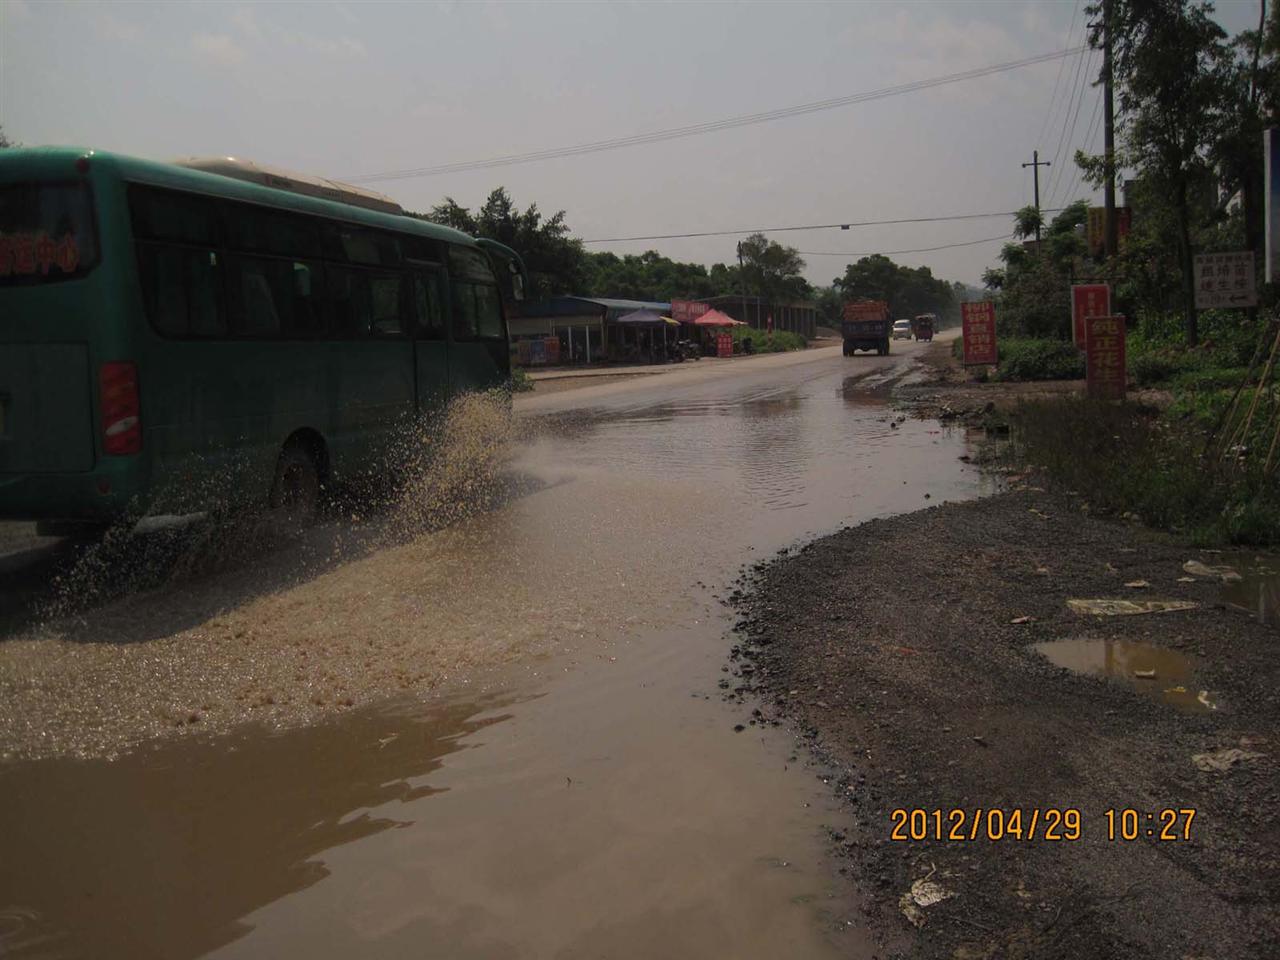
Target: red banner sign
pixel 686 311
pixel 1104 360
pixel 979 333
pixel 1088 300
pixel 724 345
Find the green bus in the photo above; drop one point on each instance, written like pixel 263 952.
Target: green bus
pixel 162 324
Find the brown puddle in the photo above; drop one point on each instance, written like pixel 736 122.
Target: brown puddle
pixel 1154 671
pixel 1258 592
pixel 602 805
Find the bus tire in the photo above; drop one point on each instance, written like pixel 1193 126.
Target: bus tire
pixel 295 491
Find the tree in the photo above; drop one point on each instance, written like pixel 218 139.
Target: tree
pixel 1034 290
pixel 5 142
pixel 1027 222
pixel 1168 62
pixel 556 262
pixel 772 270
pixel 651 276
pixel 452 214
pixel 830 304
pixel 907 291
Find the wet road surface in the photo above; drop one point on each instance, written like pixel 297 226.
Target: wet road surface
pixel 559 776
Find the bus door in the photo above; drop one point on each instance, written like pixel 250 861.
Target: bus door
pixel 430 340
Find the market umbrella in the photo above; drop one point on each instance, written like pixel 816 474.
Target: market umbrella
pixel 641 318
pixel 714 318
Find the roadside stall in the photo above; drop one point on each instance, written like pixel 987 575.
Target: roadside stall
pixel 644 336
pixel 717 341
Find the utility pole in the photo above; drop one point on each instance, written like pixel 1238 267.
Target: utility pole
pixel 1111 225
pixel 742 282
pixel 1035 165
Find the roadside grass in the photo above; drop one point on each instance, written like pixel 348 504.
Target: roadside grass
pixel 1127 458
pixel 520 381
pixel 1028 358
pixel 761 342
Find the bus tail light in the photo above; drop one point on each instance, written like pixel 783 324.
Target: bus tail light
pixel 121 409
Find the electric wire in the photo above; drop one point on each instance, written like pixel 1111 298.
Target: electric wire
pixel 714 126
pixel 893 253
pixel 1073 91
pixel 1057 80
pixel 1059 179
pixel 815 226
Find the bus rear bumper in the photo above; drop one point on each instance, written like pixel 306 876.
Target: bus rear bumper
pixel 102 495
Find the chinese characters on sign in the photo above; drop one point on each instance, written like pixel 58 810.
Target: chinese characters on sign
pixel 1087 300
pixel 26 254
pixel 1225 280
pixel 1096 228
pixel 1104 357
pixel 724 345
pixel 979 333
pixel 686 311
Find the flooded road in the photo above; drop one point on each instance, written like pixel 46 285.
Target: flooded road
pixel 502 738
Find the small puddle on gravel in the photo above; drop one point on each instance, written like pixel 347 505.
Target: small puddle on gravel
pixel 1258 592
pixel 1154 671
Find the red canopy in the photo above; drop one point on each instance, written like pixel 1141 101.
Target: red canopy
pixel 714 318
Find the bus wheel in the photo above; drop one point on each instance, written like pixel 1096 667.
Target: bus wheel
pixel 295 493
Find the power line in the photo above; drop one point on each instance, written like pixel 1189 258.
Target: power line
pixel 1072 90
pixel 813 226
pixel 892 253
pixel 1053 97
pixel 1059 179
pixel 1077 179
pixel 714 126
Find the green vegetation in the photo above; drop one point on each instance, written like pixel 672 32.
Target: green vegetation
pixel 560 264
pixel 1191 107
pixel 777 342
pixel 1122 458
pixel 908 291
pixel 1030 359
pixel 520 381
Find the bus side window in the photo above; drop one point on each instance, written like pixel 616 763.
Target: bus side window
pixel 307 313
pixel 182 290
pixel 261 295
pixel 464 310
pixel 488 312
pixel 428 308
pixel 385 301
pixel 205 312
pixel 348 300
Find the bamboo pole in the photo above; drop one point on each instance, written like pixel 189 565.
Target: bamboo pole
pixel 1242 433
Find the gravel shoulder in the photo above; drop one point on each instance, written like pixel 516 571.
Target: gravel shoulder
pixel 892 649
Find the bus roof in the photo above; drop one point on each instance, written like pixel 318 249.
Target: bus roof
pixel 59 162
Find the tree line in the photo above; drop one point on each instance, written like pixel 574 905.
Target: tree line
pixel 559 264
pixel 1191 108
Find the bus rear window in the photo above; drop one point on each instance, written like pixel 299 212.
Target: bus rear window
pixel 46 232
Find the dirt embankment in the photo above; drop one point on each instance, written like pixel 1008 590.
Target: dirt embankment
pixel 899 651
pixel 948 391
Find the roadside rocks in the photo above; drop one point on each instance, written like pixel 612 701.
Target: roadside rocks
pixel 901 654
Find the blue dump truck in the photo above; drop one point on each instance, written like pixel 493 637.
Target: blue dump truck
pixel 866 326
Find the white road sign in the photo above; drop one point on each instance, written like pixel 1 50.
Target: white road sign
pixel 1225 280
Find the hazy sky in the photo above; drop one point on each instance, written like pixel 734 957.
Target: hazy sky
pixel 347 89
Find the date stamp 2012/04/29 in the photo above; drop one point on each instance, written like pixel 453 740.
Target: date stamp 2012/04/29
pixel 1047 824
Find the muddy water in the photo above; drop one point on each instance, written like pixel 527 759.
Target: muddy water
pixel 589 797
pixel 1258 590
pixel 1157 672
